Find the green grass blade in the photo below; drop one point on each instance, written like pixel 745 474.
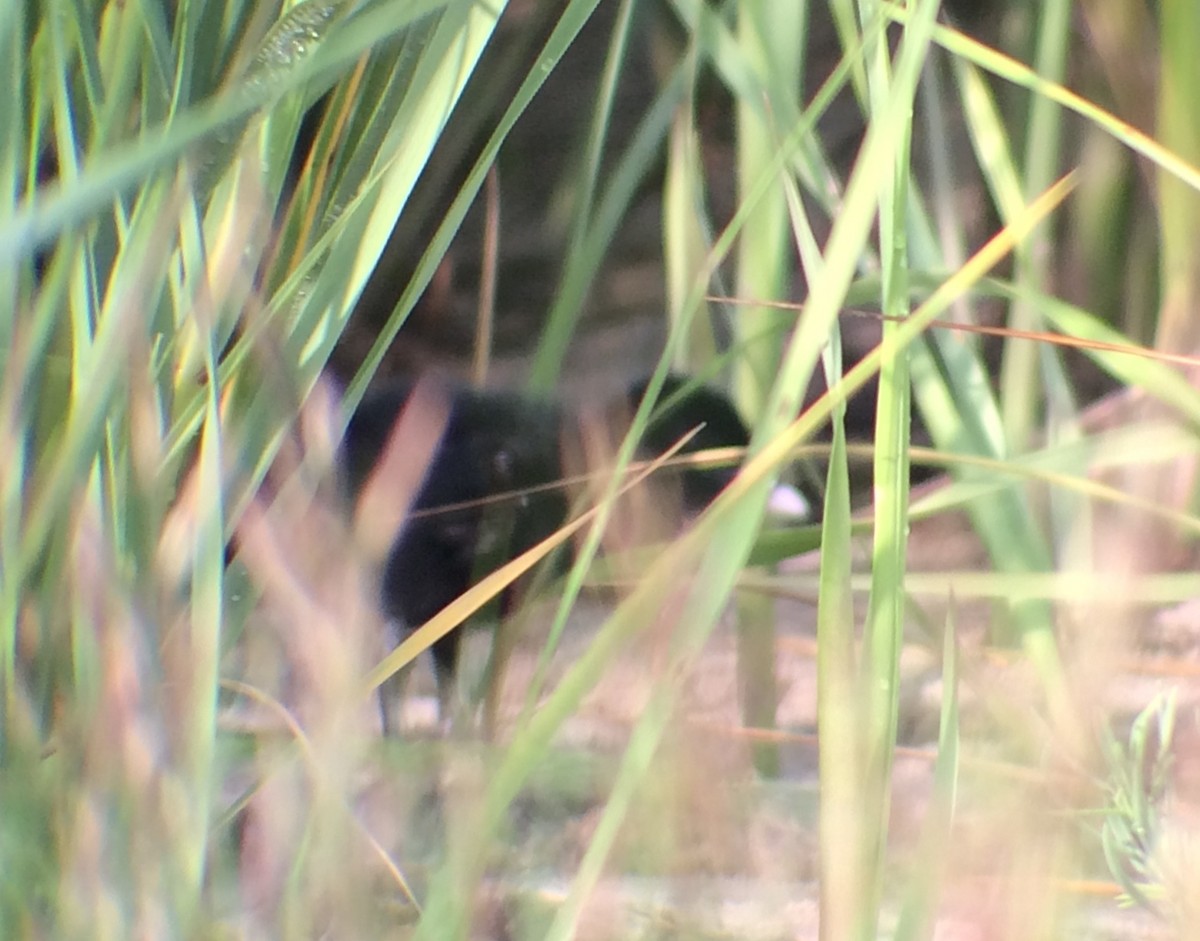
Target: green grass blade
pixel 920 907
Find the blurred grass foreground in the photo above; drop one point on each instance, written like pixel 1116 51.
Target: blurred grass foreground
pixel 964 708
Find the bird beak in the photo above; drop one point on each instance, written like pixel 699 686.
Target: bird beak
pixel 788 504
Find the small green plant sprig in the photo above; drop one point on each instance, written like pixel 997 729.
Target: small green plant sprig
pixel 1138 783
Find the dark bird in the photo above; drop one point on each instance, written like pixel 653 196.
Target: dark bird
pixel 491 471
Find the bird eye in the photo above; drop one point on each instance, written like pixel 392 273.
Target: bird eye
pixel 502 464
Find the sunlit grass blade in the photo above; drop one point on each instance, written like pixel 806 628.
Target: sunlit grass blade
pixel 1180 196
pixel 884 630
pixel 123 166
pixel 1026 368
pixel 764 260
pixel 919 912
pixel 203 643
pixel 840 713
pixel 1019 74
pixel 566 28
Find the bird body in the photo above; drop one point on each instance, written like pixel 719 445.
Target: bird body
pixel 496 462
pixel 492 485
